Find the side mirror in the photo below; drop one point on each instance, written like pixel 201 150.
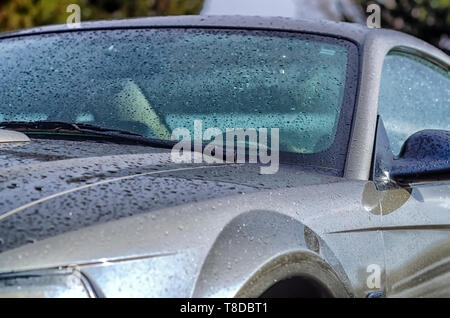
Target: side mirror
pixel 425 156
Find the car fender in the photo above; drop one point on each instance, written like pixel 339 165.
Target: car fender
pixel 258 248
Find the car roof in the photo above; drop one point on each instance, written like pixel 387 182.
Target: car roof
pixel 355 32
pixel 352 31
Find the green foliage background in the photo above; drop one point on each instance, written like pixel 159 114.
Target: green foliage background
pixel 18 14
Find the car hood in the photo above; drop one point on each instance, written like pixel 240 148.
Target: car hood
pixel 51 187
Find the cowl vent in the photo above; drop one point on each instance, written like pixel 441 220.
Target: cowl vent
pixel 12 136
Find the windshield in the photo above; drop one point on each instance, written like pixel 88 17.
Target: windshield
pixel 153 81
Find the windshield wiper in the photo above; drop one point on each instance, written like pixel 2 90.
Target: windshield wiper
pixel 60 127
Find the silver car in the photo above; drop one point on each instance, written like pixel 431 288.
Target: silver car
pixel 93 203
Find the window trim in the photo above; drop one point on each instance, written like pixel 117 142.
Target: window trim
pixel 419 54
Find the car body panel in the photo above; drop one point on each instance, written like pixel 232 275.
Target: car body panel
pixel 244 195
pixel 416 219
pixel 417 241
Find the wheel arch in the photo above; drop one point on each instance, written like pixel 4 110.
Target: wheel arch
pixel 259 249
pixel 315 277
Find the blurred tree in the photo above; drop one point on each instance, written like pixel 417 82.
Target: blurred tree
pixel 16 14
pixel 425 19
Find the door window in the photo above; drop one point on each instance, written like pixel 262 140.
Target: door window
pixel 414 95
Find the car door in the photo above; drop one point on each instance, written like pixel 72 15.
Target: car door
pixel 415 95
